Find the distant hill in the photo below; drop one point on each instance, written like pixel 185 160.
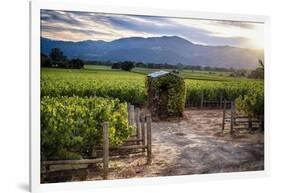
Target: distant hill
pixel 165 49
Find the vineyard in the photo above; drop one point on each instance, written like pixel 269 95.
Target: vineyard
pixel 248 93
pixel 130 87
pixel 135 101
pixel 76 103
pixel 125 86
pixel 72 126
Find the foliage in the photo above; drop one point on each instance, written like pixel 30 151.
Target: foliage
pixel 56 55
pixel 58 60
pixel 130 87
pixel 126 65
pixel 123 85
pixel 175 87
pixel 72 126
pixel 238 73
pixel 258 73
pixel 75 64
pixel 193 74
pixel 66 122
pixel 116 65
pixel 214 90
pixel 45 61
pixel 252 103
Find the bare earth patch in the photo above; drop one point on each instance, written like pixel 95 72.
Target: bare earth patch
pixel 194 145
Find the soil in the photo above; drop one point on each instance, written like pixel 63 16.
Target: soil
pixel 193 145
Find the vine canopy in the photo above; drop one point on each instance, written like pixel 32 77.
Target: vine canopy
pixel 166 94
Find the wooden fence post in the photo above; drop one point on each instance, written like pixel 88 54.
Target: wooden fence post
pixel 261 123
pixel 250 125
pixel 138 129
pixel 142 128
pixel 105 149
pixel 202 99
pixel 234 112
pixel 221 100
pixel 131 114
pixel 232 118
pixel 223 115
pixel 149 145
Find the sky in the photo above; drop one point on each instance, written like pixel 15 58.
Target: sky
pixel 80 26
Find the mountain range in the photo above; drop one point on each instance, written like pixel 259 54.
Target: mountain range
pixel 164 49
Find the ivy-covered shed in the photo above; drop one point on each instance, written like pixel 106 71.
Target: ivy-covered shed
pixel 166 94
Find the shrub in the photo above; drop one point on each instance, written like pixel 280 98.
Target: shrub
pixel 73 125
pixel 75 64
pixel 166 95
pixel 45 61
pixel 116 65
pixel 127 65
pixel 252 103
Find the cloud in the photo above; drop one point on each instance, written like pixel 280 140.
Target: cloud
pixel 59 17
pixel 77 26
pixel 246 25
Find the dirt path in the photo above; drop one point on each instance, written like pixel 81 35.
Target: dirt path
pixel 194 146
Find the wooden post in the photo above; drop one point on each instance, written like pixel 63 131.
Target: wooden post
pixel 250 125
pixel 149 143
pixel 234 112
pixel 142 119
pixel 137 119
pixel 202 99
pixel 232 118
pixel 261 123
pixel 223 115
pixel 131 114
pixel 221 100
pixel 105 149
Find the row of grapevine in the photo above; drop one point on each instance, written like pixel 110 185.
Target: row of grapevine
pixel 252 103
pixel 126 87
pixel 72 126
pixel 215 90
pixel 130 87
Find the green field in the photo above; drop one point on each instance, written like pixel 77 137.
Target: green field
pixel 125 86
pixel 187 74
pixel 130 86
pixel 75 103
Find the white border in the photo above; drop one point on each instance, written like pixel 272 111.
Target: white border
pixel 35 7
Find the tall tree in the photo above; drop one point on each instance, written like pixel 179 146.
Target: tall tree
pixel 127 65
pixel 258 73
pixel 58 59
pixel 57 55
pixel 45 61
pixel 75 64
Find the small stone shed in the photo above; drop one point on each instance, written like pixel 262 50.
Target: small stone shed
pixel 166 94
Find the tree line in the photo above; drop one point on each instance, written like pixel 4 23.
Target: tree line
pixel 257 73
pixel 179 66
pixel 56 59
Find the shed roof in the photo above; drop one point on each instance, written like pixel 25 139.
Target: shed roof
pixel 158 73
